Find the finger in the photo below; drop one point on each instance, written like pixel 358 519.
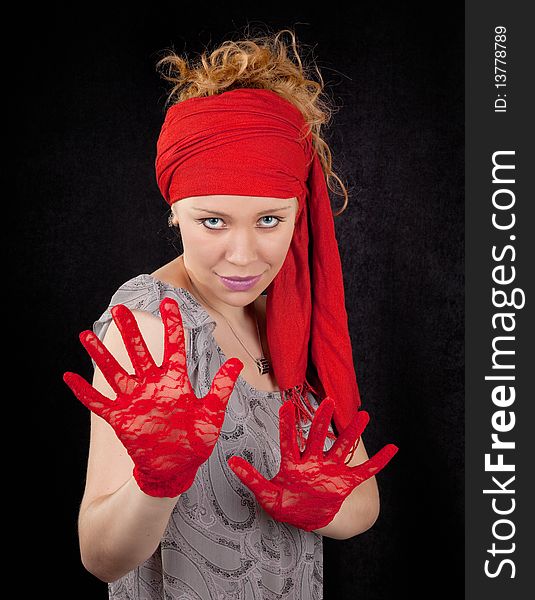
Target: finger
pixel 174 354
pixel 318 429
pixel 88 395
pixel 222 386
pixel 263 489
pixel 373 465
pixel 289 448
pixel 136 347
pixel 345 441
pixel 116 376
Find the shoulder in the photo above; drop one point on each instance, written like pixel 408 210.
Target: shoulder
pixel 143 294
pixel 138 293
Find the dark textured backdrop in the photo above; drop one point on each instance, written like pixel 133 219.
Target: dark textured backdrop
pixel 92 217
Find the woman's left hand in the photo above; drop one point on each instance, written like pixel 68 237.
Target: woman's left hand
pixel 310 487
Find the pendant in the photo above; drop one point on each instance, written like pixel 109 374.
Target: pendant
pixel 263 365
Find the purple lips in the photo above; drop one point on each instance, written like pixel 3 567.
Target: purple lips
pixel 239 285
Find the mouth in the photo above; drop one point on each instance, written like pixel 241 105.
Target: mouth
pixel 248 278
pixel 239 284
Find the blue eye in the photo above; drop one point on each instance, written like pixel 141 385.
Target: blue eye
pixel 278 219
pixel 210 219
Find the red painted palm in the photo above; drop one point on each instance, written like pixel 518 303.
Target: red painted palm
pixel 310 487
pixel 167 431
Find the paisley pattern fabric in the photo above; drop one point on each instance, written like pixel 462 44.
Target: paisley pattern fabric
pixel 219 543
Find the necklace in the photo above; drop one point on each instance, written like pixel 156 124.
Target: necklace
pixel 261 363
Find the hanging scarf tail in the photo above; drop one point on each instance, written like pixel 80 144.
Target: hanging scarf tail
pixel 298 395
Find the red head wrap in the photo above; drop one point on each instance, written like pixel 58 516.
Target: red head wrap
pixel 253 142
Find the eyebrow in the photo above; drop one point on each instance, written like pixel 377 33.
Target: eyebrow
pixel 262 212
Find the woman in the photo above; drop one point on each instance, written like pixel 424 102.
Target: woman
pixel 196 487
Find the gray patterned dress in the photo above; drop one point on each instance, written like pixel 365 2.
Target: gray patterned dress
pixel 219 543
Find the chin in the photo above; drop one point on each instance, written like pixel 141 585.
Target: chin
pixel 241 298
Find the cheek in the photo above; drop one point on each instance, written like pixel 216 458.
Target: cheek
pixel 277 247
pixel 200 247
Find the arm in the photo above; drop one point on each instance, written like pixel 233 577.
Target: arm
pixel 359 510
pixel 119 526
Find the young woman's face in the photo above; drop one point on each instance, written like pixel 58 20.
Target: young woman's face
pixel 235 236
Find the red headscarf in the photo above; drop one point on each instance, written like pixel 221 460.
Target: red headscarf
pixel 253 142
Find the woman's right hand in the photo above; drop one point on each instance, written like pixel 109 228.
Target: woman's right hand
pixel 167 431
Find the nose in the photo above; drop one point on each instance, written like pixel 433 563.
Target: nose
pixel 242 246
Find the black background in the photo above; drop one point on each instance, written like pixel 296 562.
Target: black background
pixel 91 106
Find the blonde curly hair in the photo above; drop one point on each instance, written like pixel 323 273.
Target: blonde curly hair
pixel 257 61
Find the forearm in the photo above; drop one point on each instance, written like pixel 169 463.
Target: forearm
pixel 358 513
pixel 120 531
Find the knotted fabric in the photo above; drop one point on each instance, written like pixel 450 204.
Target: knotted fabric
pixel 254 142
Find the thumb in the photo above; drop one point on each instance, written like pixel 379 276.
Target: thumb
pixel 217 398
pixel 265 492
pixel 225 379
